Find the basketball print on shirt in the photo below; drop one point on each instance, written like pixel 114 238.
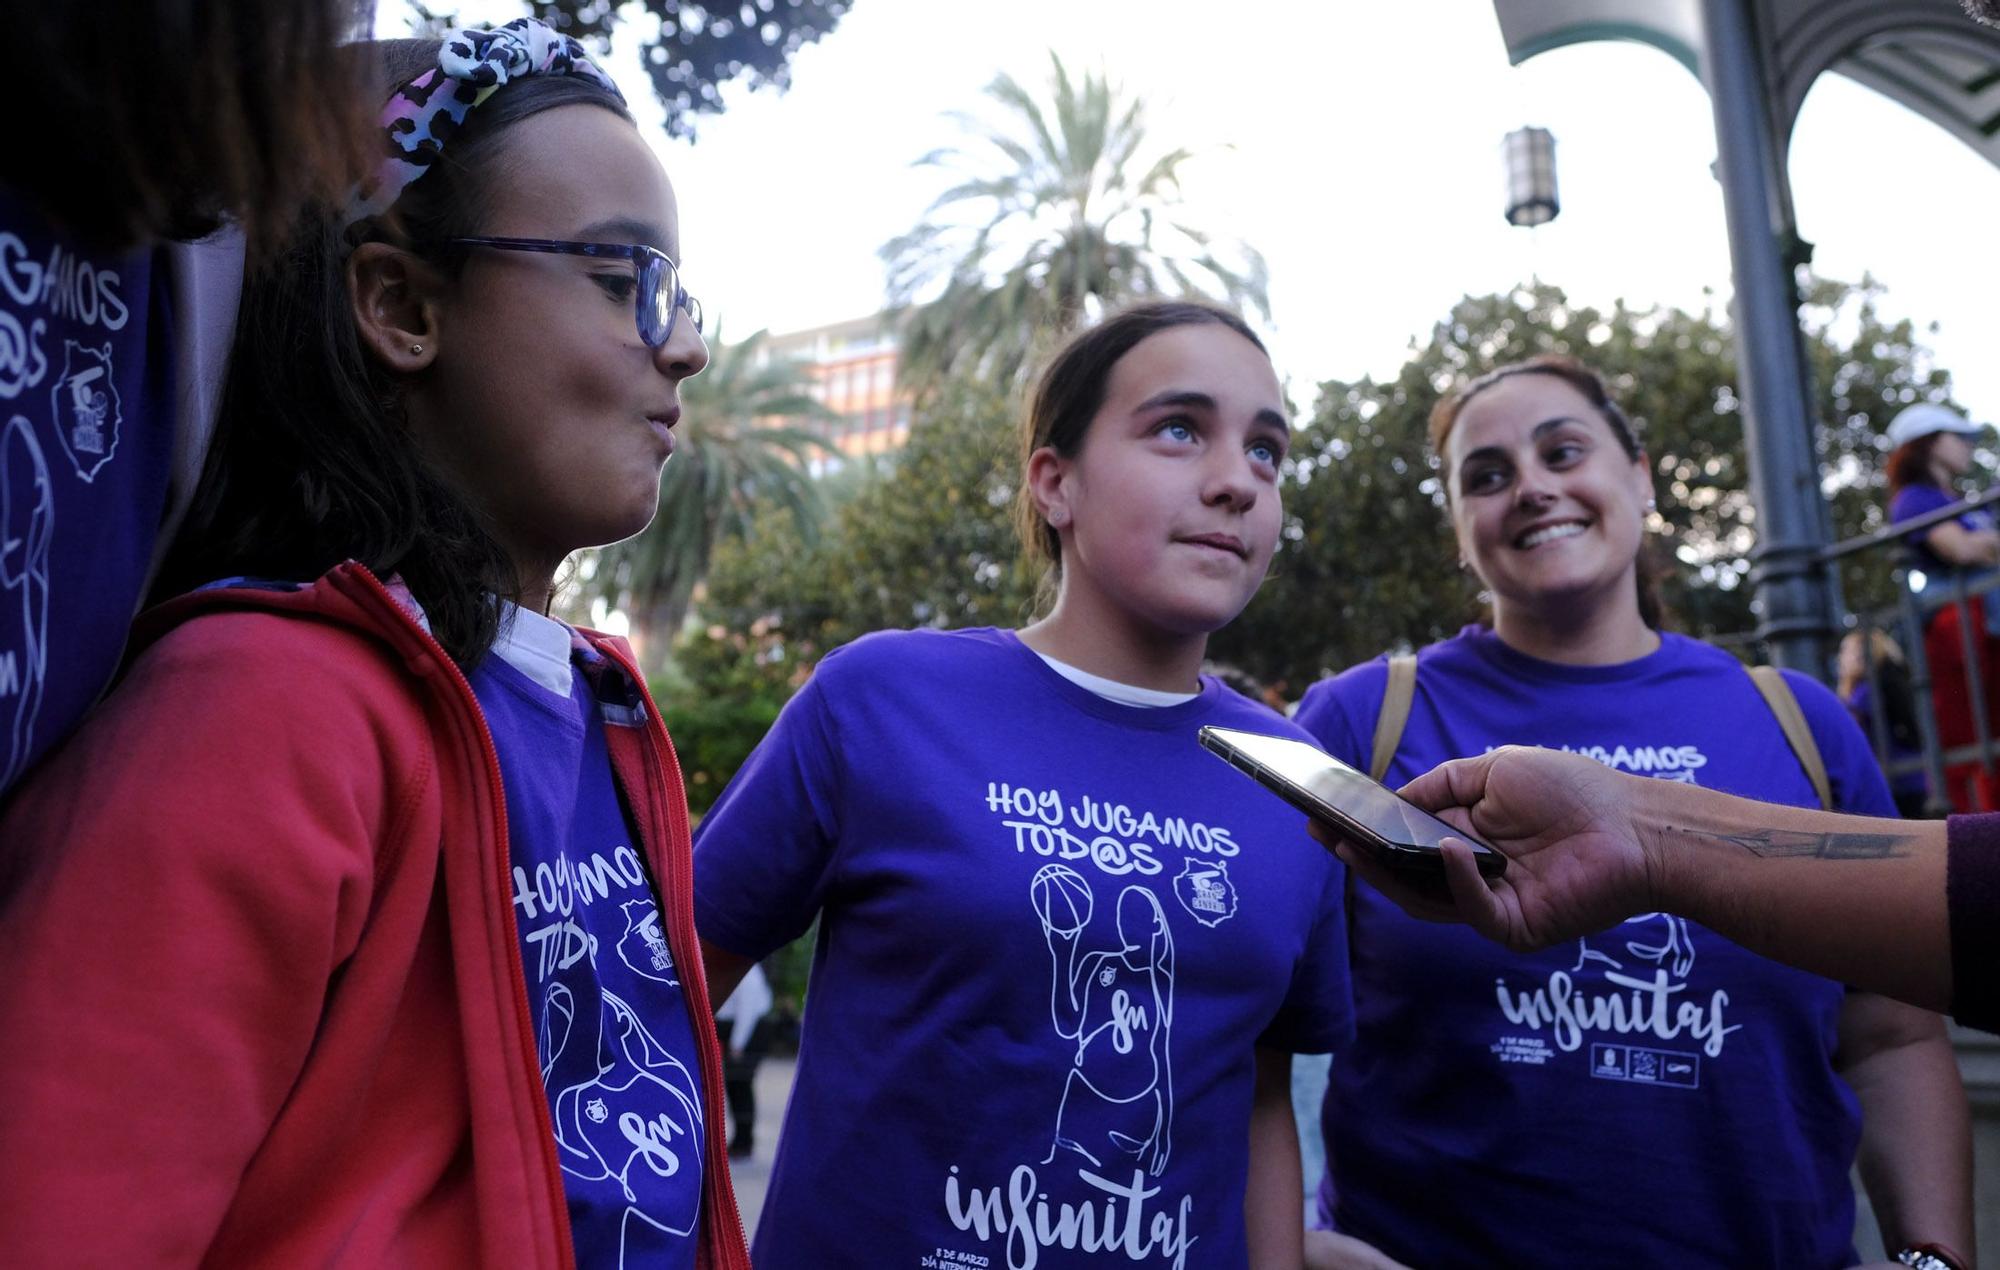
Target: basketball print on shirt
pixel 1116 1002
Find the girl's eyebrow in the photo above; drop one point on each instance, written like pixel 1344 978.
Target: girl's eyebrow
pixel 624 229
pixel 1190 399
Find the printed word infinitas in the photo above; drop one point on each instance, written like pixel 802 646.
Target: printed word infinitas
pixel 1023 1213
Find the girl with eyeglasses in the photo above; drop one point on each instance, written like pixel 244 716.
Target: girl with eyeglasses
pixel 1064 955
pixel 355 928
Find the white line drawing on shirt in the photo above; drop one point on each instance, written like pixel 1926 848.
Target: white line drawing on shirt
pixel 608 1124
pixel 1675 949
pixel 27 527
pixel 1118 1006
pixel 643 946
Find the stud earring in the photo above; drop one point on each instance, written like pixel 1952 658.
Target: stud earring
pixel 1058 517
pixel 416 349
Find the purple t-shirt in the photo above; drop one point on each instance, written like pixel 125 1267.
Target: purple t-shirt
pixel 86 452
pixel 1913 501
pixel 617 1047
pixel 1652 1095
pixel 1052 931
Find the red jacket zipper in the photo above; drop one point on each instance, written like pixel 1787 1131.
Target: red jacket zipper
pixel 524 1022
pixel 665 792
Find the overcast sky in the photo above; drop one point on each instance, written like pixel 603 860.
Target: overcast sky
pixel 1355 145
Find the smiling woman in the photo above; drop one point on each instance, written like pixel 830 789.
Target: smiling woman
pixel 1660 1096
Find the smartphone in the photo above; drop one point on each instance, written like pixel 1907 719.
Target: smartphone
pixel 1399 833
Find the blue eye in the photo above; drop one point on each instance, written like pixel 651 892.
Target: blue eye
pixel 1177 428
pixel 1267 452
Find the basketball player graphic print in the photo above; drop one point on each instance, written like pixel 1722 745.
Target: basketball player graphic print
pixel 27 526
pixel 1117 1004
pixel 625 1109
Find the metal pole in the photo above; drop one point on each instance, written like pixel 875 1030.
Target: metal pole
pixel 1935 801
pixel 1795 617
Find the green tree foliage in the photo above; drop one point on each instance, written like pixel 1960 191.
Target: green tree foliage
pixel 929 541
pixel 1368 562
pixel 734 452
pixel 1061 210
pixel 691 48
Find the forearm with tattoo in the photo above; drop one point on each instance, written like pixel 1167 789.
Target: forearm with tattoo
pixel 1773 844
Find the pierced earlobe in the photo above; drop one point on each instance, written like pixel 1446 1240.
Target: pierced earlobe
pixel 416 350
pixel 1058 517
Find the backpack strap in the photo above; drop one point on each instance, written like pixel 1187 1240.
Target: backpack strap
pixel 1395 713
pixel 1792 721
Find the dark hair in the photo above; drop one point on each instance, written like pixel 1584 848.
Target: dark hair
pixel 160 118
pixel 313 462
pixel 1910 463
pixel 1591 386
pixel 1071 389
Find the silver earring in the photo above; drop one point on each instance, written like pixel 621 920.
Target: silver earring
pixel 1058 518
pixel 416 349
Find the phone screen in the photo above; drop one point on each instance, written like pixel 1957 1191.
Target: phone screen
pixel 1352 795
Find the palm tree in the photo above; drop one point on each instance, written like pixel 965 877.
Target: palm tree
pixel 1067 220
pixel 745 442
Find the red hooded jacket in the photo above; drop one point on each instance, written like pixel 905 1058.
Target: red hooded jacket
pixel 262 1002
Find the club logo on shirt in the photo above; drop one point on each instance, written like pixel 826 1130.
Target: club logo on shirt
pixel 86 408
pixel 1205 891
pixel 643 947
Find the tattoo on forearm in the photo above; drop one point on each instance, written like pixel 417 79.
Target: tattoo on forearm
pixel 1784 843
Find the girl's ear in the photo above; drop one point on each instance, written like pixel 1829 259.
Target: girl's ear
pixel 1048 487
pixel 395 299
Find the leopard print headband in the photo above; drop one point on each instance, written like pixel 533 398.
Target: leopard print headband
pixel 426 112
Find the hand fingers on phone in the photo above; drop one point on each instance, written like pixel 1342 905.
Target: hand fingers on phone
pixel 1426 905
pixel 1475 900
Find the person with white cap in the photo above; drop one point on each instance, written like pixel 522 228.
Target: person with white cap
pixel 1932 455
pixel 1933 451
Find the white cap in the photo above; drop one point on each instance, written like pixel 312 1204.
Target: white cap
pixel 1925 418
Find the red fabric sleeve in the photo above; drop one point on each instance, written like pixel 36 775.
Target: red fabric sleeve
pixel 178 887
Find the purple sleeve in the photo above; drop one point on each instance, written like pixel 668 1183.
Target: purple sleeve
pixel 1913 501
pixel 763 854
pixel 1318 1014
pixel 1327 711
pixel 1972 896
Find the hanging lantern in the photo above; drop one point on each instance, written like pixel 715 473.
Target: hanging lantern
pixel 1530 155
